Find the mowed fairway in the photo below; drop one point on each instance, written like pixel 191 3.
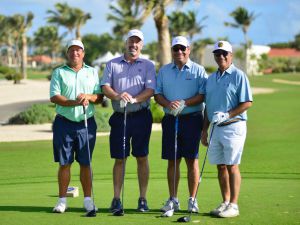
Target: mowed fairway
pixel 270 192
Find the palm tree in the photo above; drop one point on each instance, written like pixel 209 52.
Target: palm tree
pixel 199 47
pixel 243 20
pixel 185 24
pixel 42 37
pixel 71 18
pixel 126 15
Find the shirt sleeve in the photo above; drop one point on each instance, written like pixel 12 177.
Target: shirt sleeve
pixel 107 75
pixel 55 84
pixel 244 90
pixel 97 88
pixel 151 76
pixel 159 83
pixel 202 80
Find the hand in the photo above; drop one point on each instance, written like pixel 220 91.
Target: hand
pixel 220 117
pixel 178 110
pixel 133 100
pixel 204 137
pixel 123 103
pixel 83 99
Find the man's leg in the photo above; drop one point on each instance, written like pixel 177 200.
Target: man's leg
pixel 63 179
pixel 118 177
pixel 143 174
pixel 193 175
pixel 86 180
pixel 170 174
pixel 235 182
pixel 223 177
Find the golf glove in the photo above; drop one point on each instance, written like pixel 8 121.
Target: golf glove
pixel 133 100
pixel 220 117
pixel 123 103
pixel 177 111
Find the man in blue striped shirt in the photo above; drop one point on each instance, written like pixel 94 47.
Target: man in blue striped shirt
pixel 129 81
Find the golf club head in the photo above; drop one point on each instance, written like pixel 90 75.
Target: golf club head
pixel 119 212
pixel 184 219
pixel 91 213
pixel 168 213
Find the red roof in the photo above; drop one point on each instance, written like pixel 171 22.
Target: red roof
pixel 284 52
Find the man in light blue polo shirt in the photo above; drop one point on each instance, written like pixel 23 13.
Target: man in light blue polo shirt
pixel 227 98
pixel 129 81
pixel 74 86
pixel 180 90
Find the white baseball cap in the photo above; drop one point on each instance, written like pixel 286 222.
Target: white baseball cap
pixel 223 45
pixel 76 43
pixel 136 33
pixel 180 40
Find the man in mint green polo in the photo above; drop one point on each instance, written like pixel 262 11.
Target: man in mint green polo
pixel 73 86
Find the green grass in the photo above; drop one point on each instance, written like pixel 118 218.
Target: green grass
pixel 270 169
pixel 35 74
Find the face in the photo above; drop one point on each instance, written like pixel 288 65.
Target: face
pixel 223 59
pixel 180 54
pixel 133 46
pixel 75 55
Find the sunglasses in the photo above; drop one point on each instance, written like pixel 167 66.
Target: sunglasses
pixel 219 53
pixel 176 48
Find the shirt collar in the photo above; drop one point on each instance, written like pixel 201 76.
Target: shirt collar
pixel 188 64
pixel 229 70
pixel 122 59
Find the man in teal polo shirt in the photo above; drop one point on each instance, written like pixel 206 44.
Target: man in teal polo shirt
pixel 74 86
pixel 180 90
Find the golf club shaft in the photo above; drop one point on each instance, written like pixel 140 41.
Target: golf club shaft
pixel 175 154
pixel 200 178
pixel 124 151
pixel 89 152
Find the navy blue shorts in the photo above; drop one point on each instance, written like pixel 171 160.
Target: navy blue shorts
pixel 138 131
pixel 69 139
pixel 188 136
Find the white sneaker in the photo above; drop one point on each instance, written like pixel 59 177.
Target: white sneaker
pixel 88 204
pixel 230 211
pixel 60 207
pixel 170 204
pixel 219 209
pixel 193 206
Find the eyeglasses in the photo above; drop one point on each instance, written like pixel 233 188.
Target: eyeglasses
pixel 176 48
pixel 219 53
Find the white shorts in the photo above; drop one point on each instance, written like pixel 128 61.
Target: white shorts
pixel 227 144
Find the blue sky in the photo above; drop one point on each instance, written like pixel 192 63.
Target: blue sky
pixel 277 21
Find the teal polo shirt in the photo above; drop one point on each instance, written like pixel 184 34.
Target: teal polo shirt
pixel 175 84
pixel 68 83
pixel 226 92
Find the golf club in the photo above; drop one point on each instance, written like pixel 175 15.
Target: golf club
pixel 120 212
pixel 91 213
pixel 171 211
pixel 188 218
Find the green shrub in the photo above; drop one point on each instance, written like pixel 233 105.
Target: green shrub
pixel 36 114
pixel 102 121
pixel 210 69
pixel 157 111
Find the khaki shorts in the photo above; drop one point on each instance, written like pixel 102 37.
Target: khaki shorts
pixel 227 144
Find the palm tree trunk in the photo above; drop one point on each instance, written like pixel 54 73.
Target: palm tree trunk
pixel 24 56
pixel 162 26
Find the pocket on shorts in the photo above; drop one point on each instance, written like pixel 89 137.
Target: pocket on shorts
pixel 240 129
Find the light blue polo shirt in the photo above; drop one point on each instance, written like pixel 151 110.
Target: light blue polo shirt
pixel 134 78
pixel 225 92
pixel 175 84
pixel 68 83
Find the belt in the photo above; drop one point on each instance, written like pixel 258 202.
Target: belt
pixel 225 123
pixel 187 114
pixel 134 113
pixel 71 121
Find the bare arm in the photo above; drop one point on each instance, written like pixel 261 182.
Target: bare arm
pixel 242 107
pixel 197 99
pixel 160 99
pixel 82 99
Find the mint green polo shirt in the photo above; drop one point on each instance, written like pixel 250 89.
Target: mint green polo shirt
pixel 68 83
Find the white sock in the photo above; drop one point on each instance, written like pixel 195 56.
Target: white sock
pixel 87 198
pixel 234 205
pixel 226 202
pixel 64 199
pixel 192 198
